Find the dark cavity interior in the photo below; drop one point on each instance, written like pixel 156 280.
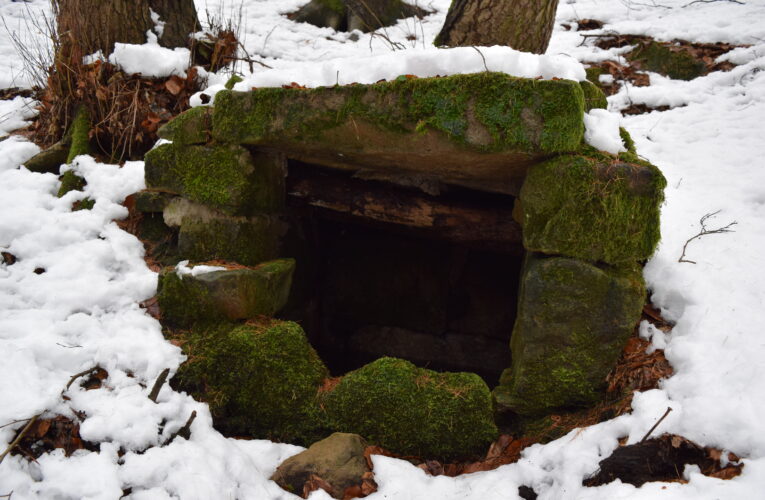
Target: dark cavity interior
pixel 441 293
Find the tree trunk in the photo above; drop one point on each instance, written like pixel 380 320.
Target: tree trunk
pixel 94 25
pixel 524 25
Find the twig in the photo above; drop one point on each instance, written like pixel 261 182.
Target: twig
pixel 185 431
pixel 158 384
pixel 78 375
pixel 482 57
pixel 669 409
pixel 704 231
pixel 713 1
pixel 20 436
pixel 8 496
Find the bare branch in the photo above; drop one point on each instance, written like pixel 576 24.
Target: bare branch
pixel 19 437
pixel 705 231
pixel 713 1
pixel 158 384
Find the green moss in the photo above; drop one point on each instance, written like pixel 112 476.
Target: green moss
pixel 593 74
pixel 628 143
pixel 226 177
pixel 336 6
pixel 592 207
pixel 84 204
pixel 260 379
pixel 573 320
pixel 147 201
pixel 190 127
pixel 80 142
pixel 668 60
pixel 231 294
pixel 248 241
pixel 232 81
pixel 486 111
pixel 414 411
pixel 70 182
pixel 593 96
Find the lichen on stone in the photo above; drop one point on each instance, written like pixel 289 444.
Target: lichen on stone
pixel 414 411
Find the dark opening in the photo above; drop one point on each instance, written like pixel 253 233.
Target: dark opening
pixel 438 293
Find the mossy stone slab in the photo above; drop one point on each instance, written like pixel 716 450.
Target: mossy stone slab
pixel 224 176
pixel 147 201
pixel 414 411
pixel 573 321
pixel 481 130
pixel 231 294
pixel 206 234
pixel 596 208
pixel 338 460
pixel 193 126
pixel 260 379
pixel 50 160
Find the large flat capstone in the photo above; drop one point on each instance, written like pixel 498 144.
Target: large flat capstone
pixel 480 131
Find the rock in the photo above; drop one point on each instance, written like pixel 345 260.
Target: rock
pixel 260 379
pixel 226 177
pixel 190 127
pixel 323 13
pixel 593 96
pixel 50 160
pixel 573 321
pixel 70 182
pixel 339 460
pixel 481 130
pixel 230 294
pixel 668 60
pixel 414 411
pixel 147 201
pixel 207 234
pixel 595 208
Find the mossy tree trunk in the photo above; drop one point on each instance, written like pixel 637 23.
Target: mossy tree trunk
pixel 524 25
pixel 99 24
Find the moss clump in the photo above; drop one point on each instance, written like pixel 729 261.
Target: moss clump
pixel 593 74
pixel 190 127
pixel 151 201
pixel 336 6
pixel 668 60
pixel 260 379
pixel 592 207
pixel 232 81
pixel 628 142
pixel 593 96
pixel 248 241
pixel 487 111
pixel 414 411
pixel 70 182
pixel 226 177
pixel 230 294
pixel 80 140
pixel 573 320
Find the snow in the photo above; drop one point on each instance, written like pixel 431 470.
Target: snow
pixel 182 269
pixel 601 131
pixel 83 310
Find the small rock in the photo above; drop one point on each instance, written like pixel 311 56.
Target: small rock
pixel 337 461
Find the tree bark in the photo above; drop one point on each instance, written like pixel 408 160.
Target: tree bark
pixel 524 25
pixel 94 25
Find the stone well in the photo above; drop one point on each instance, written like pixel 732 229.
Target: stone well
pixel 459 223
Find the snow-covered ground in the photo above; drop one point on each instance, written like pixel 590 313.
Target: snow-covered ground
pixel 83 309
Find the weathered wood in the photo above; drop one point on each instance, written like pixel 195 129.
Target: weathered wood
pixel 452 220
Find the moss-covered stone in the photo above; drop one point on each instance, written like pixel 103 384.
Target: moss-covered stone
pixel 148 201
pixel 592 207
pixel 593 74
pixel 479 130
pixel 193 126
pixel 627 141
pixel 226 177
pixel 414 411
pixel 668 60
pixel 230 294
pixel 70 182
pixel 573 321
pixel 260 379
pixel 593 96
